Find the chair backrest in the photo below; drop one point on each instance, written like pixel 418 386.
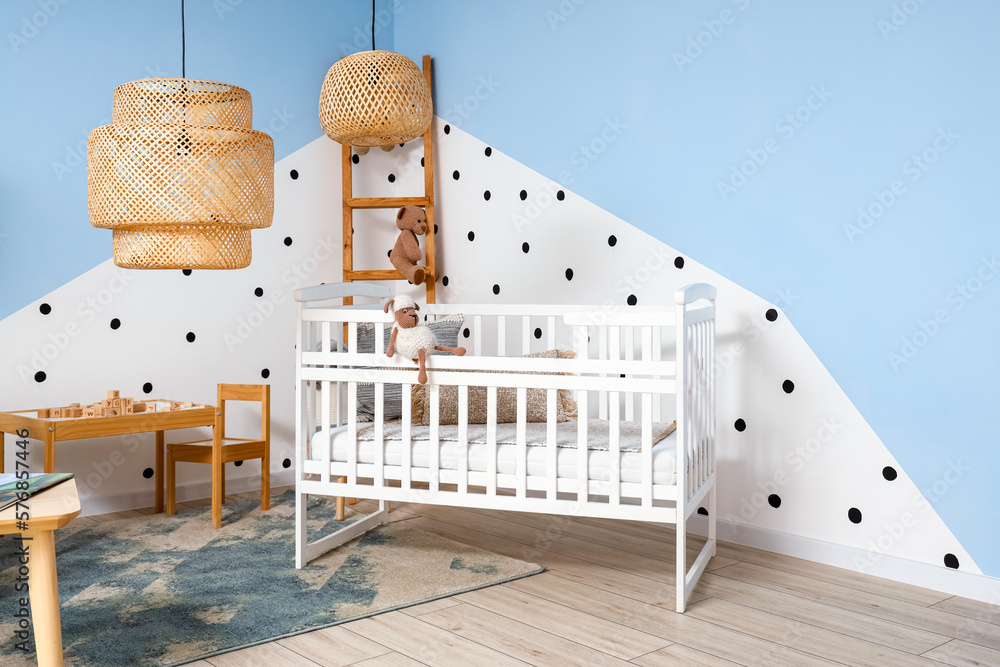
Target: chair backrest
pixel 245 392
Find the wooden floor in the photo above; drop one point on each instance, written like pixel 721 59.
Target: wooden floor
pixel 607 598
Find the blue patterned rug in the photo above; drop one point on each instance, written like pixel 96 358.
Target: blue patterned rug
pixel 159 590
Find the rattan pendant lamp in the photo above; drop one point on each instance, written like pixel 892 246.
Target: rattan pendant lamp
pixel 374 98
pixel 180 176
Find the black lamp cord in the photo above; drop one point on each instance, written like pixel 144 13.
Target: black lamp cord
pixel 184 44
pixel 373 24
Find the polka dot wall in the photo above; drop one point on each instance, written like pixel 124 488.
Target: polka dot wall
pixel 799 467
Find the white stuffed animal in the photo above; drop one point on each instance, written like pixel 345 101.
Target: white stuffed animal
pixel 410 337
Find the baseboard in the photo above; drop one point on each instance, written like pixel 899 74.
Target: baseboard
pixel 935 577
pixel 118 502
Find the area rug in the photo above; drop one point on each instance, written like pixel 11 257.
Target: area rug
pixel 159 590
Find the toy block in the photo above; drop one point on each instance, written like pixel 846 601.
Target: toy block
pixel 75 412
pixel 88 411
pixel 138 406
pixel 112 393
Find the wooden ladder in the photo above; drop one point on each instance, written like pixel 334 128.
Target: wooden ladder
pixel 427 202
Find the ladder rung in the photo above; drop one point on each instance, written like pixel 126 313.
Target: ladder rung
pixel 378 274
pixel 386 202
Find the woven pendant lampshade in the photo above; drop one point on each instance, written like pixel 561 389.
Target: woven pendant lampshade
pixel 179 176
pixel 374 98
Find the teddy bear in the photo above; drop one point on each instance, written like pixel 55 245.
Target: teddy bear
pixel 412 222
pixel 412 338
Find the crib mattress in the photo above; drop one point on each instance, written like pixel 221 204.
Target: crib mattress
pixel 599 462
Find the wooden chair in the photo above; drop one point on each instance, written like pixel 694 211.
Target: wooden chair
pixel 222 449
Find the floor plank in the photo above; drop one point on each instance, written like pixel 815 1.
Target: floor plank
pixel 678 654
pixel 262 655
pixel 392 659
pixel 333 647
pixel 964 654
pixel 982 611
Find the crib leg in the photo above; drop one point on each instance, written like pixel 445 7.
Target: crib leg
pixel 340 502
pixel 681 560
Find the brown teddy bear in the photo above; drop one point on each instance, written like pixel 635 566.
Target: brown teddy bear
pixel 412 222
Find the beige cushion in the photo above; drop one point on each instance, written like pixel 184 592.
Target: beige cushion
pixel 536 400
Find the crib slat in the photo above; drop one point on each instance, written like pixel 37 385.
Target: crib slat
pixel 435 444
pixel 325 337
pixel 477 335
pixel 501 335
pixel 550 325
pixel 491 441
pixel 614 446
pixel 352 336
pixel 613 337
pixel 521 467
pixel 352 431
pixel 463 439
pixel 525 334
pixel 583 458
pixel 603 353
pixel 657 334
pixel 406 482
pixel 551 451
pixel 325 427
pixel 629 356
pixel 647 450
pixel 379 434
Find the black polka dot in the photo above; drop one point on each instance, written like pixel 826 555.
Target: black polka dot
pixel 472 236
pixel 259 291
pixel 466 333
pixel 889 473
pixel 388 253
pixel 355 158
pixel 788 386
pixel 421 162
pixel 525 247
pixel 392 178
pixel 401 145
pixel 538 332
pixel 740 425
pixel 456 175
pixel 186 272
pixel 237 463
pixel 854 514
pixel 444 281
pixel 774 500
pixel 447 129
pixel 771 314
pixel 523 195
pixel 147 473
pixel 560 195
pixel 40 376
pixel 950 560
pixel 679 262
pixel 632 300
pixel 265 373
pixel 569 274
pixel 487 195
pixel 190 336
pixel 488 151
pixel 287 463
pixel 45 309
pixel 612 240
pixel 115 323
pixel 294 173
pixel 288 240
pixel 435 228
pixel 702 511
pixel 147 387
pixel 620 375
pixel 496 289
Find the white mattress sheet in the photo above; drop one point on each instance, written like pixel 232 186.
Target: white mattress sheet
pixel 566 458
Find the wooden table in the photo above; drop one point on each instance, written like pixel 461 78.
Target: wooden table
pixel 48 510
pixel 51 430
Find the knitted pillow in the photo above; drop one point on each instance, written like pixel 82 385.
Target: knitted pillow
pixel 536 401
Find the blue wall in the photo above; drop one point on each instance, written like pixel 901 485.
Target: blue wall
pixel 60 60
pixel 647 108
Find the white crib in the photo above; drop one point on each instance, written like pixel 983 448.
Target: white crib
pixel 635 369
